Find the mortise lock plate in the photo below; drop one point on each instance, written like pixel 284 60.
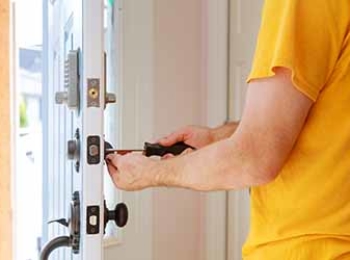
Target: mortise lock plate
pixel 73 150
pixel 70 96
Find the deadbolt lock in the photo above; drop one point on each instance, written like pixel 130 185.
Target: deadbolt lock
pixel 110 98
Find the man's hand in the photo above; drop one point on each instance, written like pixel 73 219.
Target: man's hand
pixel 132 171
pixel 199 137
pixel 194 136
pixel 274 115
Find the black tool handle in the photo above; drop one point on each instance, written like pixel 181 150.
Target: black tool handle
pixel 160 150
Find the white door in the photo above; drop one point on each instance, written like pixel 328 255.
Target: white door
pixel 75 97
pixel 82 38
pixel 62 35
pixel 245 18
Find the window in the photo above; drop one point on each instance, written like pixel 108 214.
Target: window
pixel 28 176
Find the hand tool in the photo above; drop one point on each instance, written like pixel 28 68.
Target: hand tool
pixel 152 149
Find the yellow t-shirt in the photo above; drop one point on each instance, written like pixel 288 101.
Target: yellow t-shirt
pixel 305 213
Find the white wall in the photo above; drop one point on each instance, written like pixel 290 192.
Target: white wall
pixel 178 101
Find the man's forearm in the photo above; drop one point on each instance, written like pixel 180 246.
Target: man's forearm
pixel 225 165
pixel 224 131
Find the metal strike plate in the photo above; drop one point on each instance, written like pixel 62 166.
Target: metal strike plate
pixel 93 94
pixel 70 96
pixel 93 220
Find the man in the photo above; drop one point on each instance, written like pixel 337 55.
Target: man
pixel 292 146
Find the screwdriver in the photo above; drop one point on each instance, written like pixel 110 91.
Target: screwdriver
pixel 153 149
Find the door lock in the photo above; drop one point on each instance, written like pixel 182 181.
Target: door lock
pixel 70 96
pixel 73 224
pixel 119 215
pixel 110 98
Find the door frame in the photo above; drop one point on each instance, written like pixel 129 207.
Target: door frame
pixel 216 40
pixel 243 34
pixel 14 124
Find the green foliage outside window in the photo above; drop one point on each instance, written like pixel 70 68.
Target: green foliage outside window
pixel 23 118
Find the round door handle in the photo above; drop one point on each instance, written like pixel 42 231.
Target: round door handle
pixel 122 215
pixel 119 215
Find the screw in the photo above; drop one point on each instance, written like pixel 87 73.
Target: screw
pixel 77 166
pixel 93 82
pixel 77 134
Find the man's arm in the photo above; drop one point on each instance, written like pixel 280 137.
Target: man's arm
pixel 224 131
pixel 274 115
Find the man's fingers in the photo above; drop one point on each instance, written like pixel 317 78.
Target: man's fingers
pixel 168 156
pixel 113 172
pixel 113 158
pixel 173 138
pixel 187 151
pixel 111 168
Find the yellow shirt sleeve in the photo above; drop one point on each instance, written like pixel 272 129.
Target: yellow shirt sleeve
pixel 305 36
